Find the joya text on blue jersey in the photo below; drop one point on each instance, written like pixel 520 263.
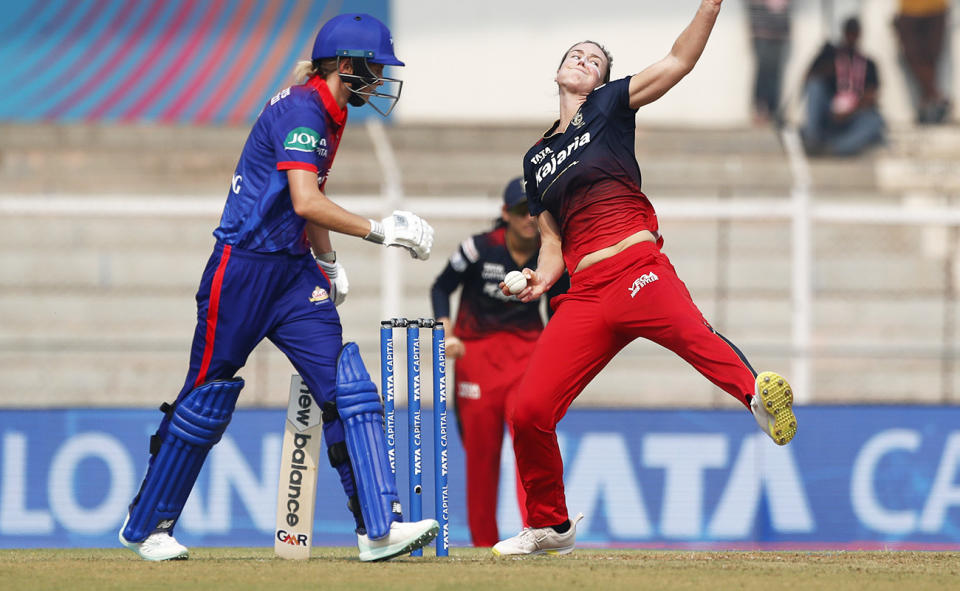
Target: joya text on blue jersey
pixel 294 131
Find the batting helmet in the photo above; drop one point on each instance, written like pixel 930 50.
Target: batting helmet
pixel 356 35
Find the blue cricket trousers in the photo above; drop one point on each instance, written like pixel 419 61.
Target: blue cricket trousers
pixel 247 296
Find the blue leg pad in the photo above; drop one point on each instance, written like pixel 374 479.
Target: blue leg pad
pixel 362 414
pixel 196 423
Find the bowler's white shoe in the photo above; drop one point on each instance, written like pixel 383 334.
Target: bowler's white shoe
pixel 404 537
pixel 539 540
pixel 157 546
pixel 772 407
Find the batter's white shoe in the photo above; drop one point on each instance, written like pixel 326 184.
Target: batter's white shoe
pixel 772 407
pixel 403 538
pixel 539 540
pixel 157 547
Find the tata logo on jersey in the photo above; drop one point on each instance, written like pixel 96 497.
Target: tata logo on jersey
pixel 541 155
pixel 304 139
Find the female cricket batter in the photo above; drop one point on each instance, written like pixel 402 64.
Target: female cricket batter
pixel 583 184
pixel 262 282
pixel 492 342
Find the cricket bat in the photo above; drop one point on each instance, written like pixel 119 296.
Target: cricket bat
pixel 297 489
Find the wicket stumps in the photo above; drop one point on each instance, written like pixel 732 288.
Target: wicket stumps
pixel 414 424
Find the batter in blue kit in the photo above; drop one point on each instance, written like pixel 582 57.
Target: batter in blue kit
pixel 273 274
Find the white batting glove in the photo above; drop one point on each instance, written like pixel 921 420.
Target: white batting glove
pixel 339 284
pixel 403 229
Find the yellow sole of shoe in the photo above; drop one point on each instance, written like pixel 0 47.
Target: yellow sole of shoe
pixel 777 398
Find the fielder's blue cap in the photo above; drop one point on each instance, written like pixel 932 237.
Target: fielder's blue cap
pixel 514 193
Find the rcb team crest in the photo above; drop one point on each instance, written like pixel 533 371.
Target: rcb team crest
pixel 577 120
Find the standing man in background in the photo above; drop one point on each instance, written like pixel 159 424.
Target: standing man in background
pixel 263 282
pixel 921 25
pixel 491 343
pixel 770 34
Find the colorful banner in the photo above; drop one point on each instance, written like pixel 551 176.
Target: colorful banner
pixel 170 61
pixel 854 477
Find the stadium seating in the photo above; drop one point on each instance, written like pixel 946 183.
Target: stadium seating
pixel 98 308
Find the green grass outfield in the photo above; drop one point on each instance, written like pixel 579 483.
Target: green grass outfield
pixel 238 569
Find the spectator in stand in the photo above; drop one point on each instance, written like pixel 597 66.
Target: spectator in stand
pixel 494 336
pixel 920 25
pixel 841 92
pixel 770 33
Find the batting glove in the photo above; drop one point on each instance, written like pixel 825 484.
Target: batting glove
pixel 339 284
pixel 403 229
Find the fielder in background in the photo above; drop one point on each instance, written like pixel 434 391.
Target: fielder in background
pixel 583 184
pixel 491 343
pixel 262 282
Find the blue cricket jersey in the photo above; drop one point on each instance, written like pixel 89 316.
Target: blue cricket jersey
pixel 299 128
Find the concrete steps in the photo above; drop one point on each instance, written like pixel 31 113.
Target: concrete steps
pixel 108 313
pixel 435 160
pixel 99 309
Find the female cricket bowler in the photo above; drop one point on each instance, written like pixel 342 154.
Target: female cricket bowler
pixel 492 342
pixel 583 184
pixel 262 282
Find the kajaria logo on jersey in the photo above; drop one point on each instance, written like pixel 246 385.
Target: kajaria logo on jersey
pixel 304 139
pixel 549 167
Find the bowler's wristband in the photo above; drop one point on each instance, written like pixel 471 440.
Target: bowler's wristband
pixel 376 233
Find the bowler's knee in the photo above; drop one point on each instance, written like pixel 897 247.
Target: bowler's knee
pixel 527 413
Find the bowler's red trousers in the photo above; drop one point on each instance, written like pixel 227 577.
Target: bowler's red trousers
pixel 635 293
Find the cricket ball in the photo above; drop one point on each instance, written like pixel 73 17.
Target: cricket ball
pixel 515 282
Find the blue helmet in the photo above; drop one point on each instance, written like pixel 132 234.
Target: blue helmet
pixel 363 40
pixel 356 35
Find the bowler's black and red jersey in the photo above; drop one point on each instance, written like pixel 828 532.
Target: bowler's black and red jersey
pixel 588 178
